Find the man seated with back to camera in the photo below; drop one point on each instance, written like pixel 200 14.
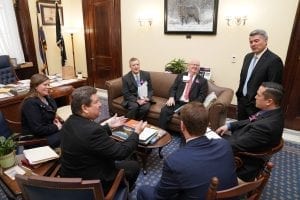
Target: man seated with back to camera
pixel 188 86
pixel 260 132
pixel 138 106
pixel 88 151
pixel 187 172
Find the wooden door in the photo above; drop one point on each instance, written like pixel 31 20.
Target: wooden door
pixel 102 24
pixel 291 80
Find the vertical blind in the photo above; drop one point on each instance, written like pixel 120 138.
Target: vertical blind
pixel 10 43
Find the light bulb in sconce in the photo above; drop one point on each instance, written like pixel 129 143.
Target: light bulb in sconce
pixel 142 21
pixel 238 20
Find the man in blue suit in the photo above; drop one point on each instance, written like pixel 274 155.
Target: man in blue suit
pixel 187 172
pixel 261 65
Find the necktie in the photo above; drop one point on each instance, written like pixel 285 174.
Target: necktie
pixel 188 87
pixel 253 117
pixel 250 70
pixel 137 79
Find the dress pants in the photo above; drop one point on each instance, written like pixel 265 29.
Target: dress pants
pixel 245 108
pixel 167 113
pixel 137 111
pixel 131 169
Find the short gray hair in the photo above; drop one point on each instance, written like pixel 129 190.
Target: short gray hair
pixel 81 96
pixel 259 32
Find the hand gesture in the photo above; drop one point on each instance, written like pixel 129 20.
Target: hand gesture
pixel 140 127
pixel 221 130
pixel 57 123
pixel 116 121
pixel 171 102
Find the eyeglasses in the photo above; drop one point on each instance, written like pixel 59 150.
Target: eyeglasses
pixel 197 65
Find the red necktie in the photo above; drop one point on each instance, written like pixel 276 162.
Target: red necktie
pixel 188 87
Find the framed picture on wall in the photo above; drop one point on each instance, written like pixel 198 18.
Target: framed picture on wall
pixel 50 1
pixel 48 15
pixel 191 16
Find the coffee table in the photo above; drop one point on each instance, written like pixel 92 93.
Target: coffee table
pixel 43 169
pixel 144 150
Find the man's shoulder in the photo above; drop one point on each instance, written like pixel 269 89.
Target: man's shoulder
pixel 270 54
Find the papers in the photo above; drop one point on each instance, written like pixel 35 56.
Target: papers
pixel 40 155
pixel 62 82
pixel 178 109
pixel 5 95
pixel 11 172
pixel 143 90
pixel 211 134
pixel 147 133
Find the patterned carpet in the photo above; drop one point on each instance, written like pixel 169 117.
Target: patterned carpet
pixel 284 183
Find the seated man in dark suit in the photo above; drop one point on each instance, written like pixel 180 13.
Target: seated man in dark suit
pixel 260 132
pixel 187 172
pixel 137 103
pixel 88 151
pixel 188 86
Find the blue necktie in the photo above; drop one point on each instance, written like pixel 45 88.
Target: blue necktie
pixel 250 70
pixel 137 79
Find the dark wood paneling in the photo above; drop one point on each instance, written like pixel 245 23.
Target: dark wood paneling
pixel 25 32
pixel 291 81
pixel 102 22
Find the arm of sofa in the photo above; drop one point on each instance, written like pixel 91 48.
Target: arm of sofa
pixel 218 110
pixel 114 90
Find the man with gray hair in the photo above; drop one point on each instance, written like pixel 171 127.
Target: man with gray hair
pixel 261 65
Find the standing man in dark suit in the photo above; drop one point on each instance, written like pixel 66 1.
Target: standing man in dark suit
pixel 260 132
pixel 187 172
pixel 188 86
pixel 138 104
pixel 261 65
pixel 88 151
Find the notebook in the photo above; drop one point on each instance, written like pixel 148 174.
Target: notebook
pixel 40 155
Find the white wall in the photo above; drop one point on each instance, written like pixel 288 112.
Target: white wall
pixel 73 19
pixel 155 49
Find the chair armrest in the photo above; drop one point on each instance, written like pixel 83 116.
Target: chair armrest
pixel 114 88
pixel 40 141
pixel 114 188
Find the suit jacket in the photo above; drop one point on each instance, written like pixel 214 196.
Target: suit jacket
pixel 268 68
pixel 260 135
pixel 198 90
pixel 37 117
pixel 130 87
pixel 188 171
pixel 89 152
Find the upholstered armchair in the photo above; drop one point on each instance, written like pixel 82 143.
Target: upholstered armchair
pixel 7 72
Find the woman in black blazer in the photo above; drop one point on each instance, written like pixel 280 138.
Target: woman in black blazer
pixel 39 112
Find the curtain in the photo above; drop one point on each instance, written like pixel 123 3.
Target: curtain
pixel 10 43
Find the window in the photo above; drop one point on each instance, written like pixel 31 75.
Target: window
pixel 10 43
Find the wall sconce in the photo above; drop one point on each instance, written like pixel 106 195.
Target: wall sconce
pixel 238 20
pixel 143 21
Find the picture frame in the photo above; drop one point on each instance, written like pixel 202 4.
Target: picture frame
pixel 50 1
pixel 190 16
pixel 48 14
